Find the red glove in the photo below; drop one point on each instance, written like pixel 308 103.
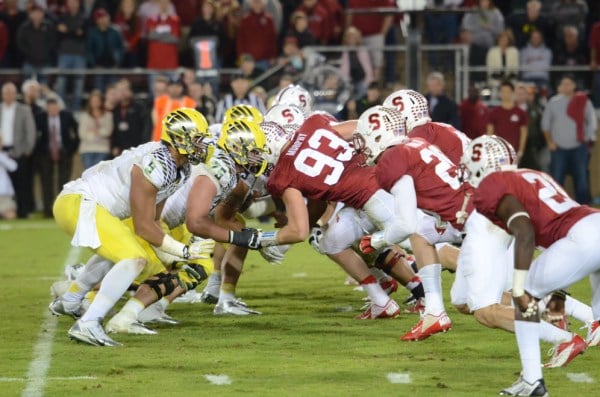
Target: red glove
pixel 365 245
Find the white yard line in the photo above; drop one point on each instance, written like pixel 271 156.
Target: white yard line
pixel 580 377
pixel 60 378
pixel 42 351
pixel 26 226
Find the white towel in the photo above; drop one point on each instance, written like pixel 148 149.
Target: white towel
pixel 86 233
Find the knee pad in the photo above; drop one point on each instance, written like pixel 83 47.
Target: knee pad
pixel 167 281
pixel 382 262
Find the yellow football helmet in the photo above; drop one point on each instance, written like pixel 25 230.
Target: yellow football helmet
pixel 246 143
pixel 242 112
pixel 187 131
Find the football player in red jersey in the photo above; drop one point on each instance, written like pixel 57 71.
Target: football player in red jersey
pixel 535 210
pixel 415 110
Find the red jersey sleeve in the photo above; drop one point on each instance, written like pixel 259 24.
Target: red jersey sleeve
pixel 389 168
pixel 489 193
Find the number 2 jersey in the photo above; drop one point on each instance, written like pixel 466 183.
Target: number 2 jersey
pixel 322 165
pixel 552 212
pixel 435 179
pixel 108 183
pixel 448 139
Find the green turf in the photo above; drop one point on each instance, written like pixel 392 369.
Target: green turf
pixel 305 344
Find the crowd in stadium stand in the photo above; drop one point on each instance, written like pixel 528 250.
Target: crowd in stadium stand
pixel 516 40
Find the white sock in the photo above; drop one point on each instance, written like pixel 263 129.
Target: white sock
pixel 552 334
pixel 114 285
pixel 528 341
pixel 132 309
pixel 431 278
pixel 376 293
pixel 578 310
pixel 163 303
pixel 93 272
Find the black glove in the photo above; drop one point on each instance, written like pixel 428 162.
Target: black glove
pixel 248 237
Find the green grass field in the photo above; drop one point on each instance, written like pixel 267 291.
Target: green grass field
pixel 306 343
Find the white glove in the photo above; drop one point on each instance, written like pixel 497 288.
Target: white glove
pixel 167 259
pixel 201 248
pixel 316 234
pixel 274 254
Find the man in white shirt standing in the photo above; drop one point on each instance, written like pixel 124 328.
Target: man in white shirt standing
pixel 18 139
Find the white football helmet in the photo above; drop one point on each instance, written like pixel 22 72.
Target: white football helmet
pixel 413 106
pixel 377 129
pixel 295 95
pixel 277 138
pixel 484 155
pixel 289 117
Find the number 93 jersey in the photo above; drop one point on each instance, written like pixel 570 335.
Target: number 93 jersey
pixel 551 210
pixel 322 165
pixel 435 177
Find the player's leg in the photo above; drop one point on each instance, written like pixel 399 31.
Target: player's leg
pixel 210 293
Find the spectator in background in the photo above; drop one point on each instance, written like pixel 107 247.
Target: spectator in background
pixel 129 121
pixel 570 51
pixel 355 107
pixel 336 20
pixel 205 104
pixel 535 61
pixel 151 9
pixel 187 10
pixel 502 60
pixel 240 94
pixel 208 24
pixel 229 15
pixel 104 48
pixel 129 25
pixel 291 57
pixel 257 36
pixel 164 104
pixel 569 124
pixel 318 20
pixel 569 13
pixel 71 52
pixel 159 88
pixel 473 114
pixel 95 130
pixel 111 97
pixel 249 68
pixel 535 156
pixel 355 65
pixel 17 128
pixel 508 120
pixel 4 42
pixel 273 8
pixel 523 24
pixel 594 44
pixel 299 29
pixel 441 28
pixel 485 23
pixel 8 207
pixel 57 142
pixel 163 39
pixel 373 28
pixel 13 17
pixel 477 54
pixel 31 91
pixel 441 108
pixel 36 40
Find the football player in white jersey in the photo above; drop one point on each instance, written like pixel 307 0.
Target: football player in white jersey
pixel 135 184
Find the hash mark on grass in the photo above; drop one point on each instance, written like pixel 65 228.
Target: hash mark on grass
pixel 42 350
pixel 580 377
pixel 300 275
pixel 399 377
pixel 218 379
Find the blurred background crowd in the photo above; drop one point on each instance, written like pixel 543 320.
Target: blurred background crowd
pixel 83 80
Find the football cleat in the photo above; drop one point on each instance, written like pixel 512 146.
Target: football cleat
pixel 155 314
pixel 564 353
pixel 593 336
pixel 235 307
pixel 428 325
pixel 60 307
pixel 121 323
pixel 415 306
pixel 192 296
pixel 92 333
pixel 389 286
pixel 522 388
pixel 390 310
pixel 59 288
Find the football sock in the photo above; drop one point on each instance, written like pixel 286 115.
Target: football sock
pixel 528 335
pixel 415 286
pixel 114 285
pixel 578 310
pixel 374 290
pixel 552 334
pixel 163 303
pixel 227 292
pixel 431 279
pixel 93 272
pixel 132 309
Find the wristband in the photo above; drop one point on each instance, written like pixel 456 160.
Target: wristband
pixel 174 247
pixel 519 278
pixel 268 239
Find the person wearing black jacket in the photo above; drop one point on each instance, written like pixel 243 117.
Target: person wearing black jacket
pixel 441 108
pixel 56 144
pixel 130 122
pixel 36 40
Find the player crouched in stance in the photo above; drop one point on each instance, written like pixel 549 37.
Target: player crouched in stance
pixel 536 211
pixel 135 184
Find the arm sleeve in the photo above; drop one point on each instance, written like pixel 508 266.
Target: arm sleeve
pixel 591 122
pixel 547 118
pixel 405 211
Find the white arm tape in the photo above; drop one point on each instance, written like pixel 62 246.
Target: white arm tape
pixel 261 206
pixel 172 246
pixel 516 215
pixel 519 278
